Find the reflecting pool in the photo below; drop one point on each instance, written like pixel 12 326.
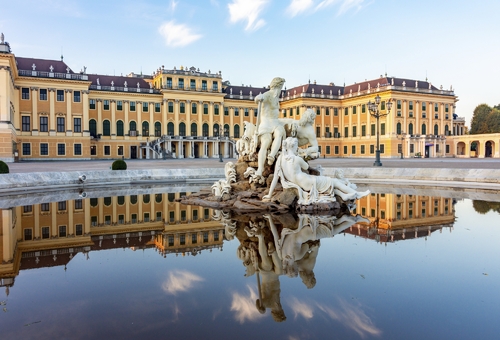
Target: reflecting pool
pixel 407 263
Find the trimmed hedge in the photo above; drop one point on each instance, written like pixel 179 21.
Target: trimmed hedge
pixel 4 168
pixel 119 165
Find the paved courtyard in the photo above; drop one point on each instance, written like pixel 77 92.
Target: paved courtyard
pixel 452 163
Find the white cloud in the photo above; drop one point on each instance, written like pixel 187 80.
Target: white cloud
pixel 301 308
pixel 345 5
pixel 173 5
pixel 180 281
pixel 177 35
pixel 244 307
pixel 246 10
pixel 353 317
pixel 298 6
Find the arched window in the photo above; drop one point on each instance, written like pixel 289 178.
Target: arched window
pixel 216 130
pixel 106 128
pixel 146 198
pixel 398 128
pixel 424 129
pixel 226 130
pixel 182 129
pixel 236 131
pixel 119 128
pixel 410 128
pixel 93 127
pixel 145 128
pixel 194 108
pixel 446 130
pixel 194 129
pixel 205 130
pixel 436 130
pixel 132 126
pixel 157 129
pixel 170 129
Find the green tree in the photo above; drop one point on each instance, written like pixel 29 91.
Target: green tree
pixel 479 119
pixel 493 121
pixel 481 207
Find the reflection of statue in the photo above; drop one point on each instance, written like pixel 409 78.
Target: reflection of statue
pixel 269 131
pixel 283 244
pixel 312 189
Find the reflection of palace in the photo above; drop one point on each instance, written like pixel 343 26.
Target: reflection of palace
pixel 396 217
pixel 51 234
pixel 48 111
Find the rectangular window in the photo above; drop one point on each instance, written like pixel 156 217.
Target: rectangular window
pixel 78 204
pixel 447 148
pixel 120 150
pixel 336 149
pixel 133 218
pixel 382 105
pixel 226 111
pixel 354 131
pixel 410 106
pixel 362 149
pixel 172 216
pixel 107 150
pixel 76 96
pixel 436 107
pixel 216 109
pixel 354 110
pixel 77 149
pixel 205 109
pixel 169 83
pixel 382 129
pixel 93 221
pixel 215 86
pixel 181 83
pixel 182 108
pixel 346 131
pixel 327 112
pixel 372 149
pixel 446 108
pixel 79 230
pixel 60 124
pixel 412 148
pixel 194 108
pixel 105 104
pixel 182 239
pixel 345 149
pixel 424 106
pixel 398 105
pixel 27 209
pixel 26 123
pixel 92 104
pixel 353 149
pixel 363 130
pixel 246 112
pixel 132 106
pixel 26 149
pixel 61 206
pixel 157 107
pixel 25 93
pixel 382 148
pixel 45 232
pixel 373 130
pixel 62 231
pixel 61 149
pixel 43 94
pixel 170 107
pixel 158 216
pixel 60 95
pixel 328 149
pixel 193 84
pixel 146 217
pixel 203 85
pixel 145 107
pixel 121 219
pixel 346 111
pixel 194 238
pixel 119 105
pixel 216 236
pixel 236 112
pixel 28 234
pixel 44 149
pixel 77 125
pixel 335 111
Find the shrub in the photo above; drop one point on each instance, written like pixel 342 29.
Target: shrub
pixel 119 165
pixel 4 168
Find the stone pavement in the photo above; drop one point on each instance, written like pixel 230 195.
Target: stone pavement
pixel 138 164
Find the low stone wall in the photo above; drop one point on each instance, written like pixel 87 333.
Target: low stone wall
pixel 36 181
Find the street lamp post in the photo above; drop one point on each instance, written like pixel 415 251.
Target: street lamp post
pixel 374 110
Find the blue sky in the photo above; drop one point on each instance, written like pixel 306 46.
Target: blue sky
pixel 452 43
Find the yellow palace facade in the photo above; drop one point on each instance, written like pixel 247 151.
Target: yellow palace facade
pixel 50 112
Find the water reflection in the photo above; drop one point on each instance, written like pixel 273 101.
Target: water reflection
pixel 483 207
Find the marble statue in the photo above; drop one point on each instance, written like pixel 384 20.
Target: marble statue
pixel 222 188
pixel 269 132
pixel 305 133
pixel 312 189
pixel 244 145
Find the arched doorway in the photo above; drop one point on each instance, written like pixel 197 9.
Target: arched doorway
pixel 488 149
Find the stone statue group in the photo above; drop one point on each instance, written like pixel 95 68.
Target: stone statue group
pixel 275 140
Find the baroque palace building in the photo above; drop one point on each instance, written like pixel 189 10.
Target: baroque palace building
pixel 50 112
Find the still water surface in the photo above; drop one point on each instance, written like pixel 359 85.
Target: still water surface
pixel 143 266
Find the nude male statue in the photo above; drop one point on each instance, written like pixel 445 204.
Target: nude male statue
pixel 269 131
